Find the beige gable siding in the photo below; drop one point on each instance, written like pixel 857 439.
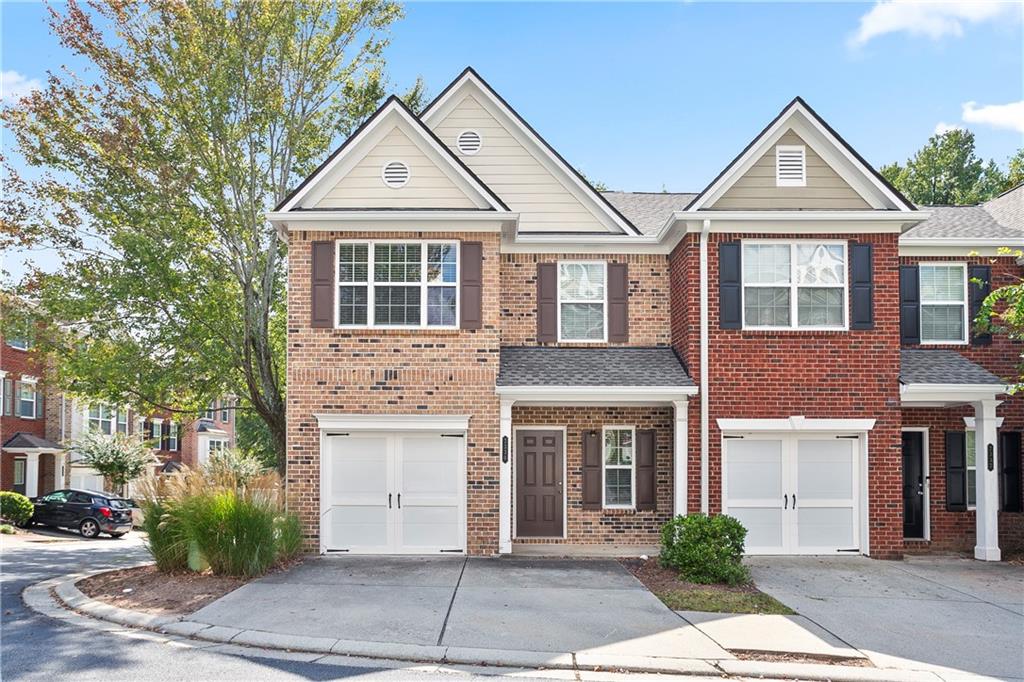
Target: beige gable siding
pixel 756 188
pixel 428 186
pixel 514 174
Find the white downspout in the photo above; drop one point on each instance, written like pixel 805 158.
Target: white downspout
pixel 704 383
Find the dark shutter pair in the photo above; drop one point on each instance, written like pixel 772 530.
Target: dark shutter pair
pixel 323 288
pixel 730 286
pixel 646 479
pixel 618 302
pixel 1009 471
pixel 979 285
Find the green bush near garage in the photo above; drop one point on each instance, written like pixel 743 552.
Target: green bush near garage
pixel 225 518
pixel 705 549
pixel 15 507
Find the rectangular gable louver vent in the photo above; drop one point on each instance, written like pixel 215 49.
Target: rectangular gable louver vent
pixel 790 165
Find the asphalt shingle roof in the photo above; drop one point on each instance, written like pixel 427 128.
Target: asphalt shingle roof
pixel 942 367
pixel 648 211
pixel 28 440
pixel 547 366
pixel 998 218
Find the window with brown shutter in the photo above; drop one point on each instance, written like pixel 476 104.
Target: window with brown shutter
pixel 547 307
pixel 592 492
pixel 471 285
pixel 322 301
pixel 618 302
pixel 646 470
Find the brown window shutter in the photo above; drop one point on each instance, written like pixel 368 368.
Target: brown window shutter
pixel 618 302
pixel 322 303
pixel 646 479
pixel 591 470
pixel 547 304
pixel 471 285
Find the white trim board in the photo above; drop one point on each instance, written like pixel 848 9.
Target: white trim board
pixel 795 423
pixel 942 395
pixel 392 422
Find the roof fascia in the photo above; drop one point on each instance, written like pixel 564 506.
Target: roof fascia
pixel 595 395
pixel 951 394
pixel 579 185
pixel 961 247
pixel 419 221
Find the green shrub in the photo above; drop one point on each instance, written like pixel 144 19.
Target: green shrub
pixel 6 530
pixel 15 507
pixel 164 538
pixel 705 549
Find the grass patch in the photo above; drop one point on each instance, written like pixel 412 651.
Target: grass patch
pixel 722 601
pixel 680 595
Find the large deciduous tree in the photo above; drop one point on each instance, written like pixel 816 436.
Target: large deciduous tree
pixel 946 171
pixel 151 173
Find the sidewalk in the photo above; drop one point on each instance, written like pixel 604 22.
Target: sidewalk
pixel 55 597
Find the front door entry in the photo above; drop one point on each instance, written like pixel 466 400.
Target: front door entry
pixel 539 484
pixel 913 484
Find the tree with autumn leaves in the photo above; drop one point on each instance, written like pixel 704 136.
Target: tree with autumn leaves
pixel 150 174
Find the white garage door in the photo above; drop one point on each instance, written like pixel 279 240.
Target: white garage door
pixel 84 478
pixel 795 494
pixel 391 493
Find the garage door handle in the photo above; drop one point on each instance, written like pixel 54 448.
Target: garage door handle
pixel 389 500
pixel 399 500
pixel 794 500
pixel 785 501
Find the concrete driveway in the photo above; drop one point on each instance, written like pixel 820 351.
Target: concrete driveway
pixel 945 613
pixel 539 605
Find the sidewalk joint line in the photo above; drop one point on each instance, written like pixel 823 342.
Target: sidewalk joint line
pixel 444 625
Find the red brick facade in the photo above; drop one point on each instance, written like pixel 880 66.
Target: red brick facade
pixel 17 363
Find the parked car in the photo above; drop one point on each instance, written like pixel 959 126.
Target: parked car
pixel 89 511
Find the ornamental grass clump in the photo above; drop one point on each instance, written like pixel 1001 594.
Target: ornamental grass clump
pixel 705 549
pixel 227 517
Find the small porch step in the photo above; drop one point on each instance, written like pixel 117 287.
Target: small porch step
pixel 577 551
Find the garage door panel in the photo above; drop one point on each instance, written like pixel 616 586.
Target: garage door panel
pixel 826 527
pixel 354 527
pixel 755 469
pixel 433 527
pixel 825 469
pixel 764 527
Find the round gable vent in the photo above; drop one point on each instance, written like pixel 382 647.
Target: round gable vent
pixel 469 142
pixel 395 174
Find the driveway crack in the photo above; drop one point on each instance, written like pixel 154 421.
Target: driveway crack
pixel 444 625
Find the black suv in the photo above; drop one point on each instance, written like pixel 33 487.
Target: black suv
pixel 90 512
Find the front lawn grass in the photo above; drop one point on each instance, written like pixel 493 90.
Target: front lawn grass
pixel 680 595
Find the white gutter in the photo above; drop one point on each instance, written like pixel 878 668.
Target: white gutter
pixel 292 217
pixel 960 241
pixel 804 216
pixel 704 382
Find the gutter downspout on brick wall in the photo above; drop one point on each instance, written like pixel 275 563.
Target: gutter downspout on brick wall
pixel 704 383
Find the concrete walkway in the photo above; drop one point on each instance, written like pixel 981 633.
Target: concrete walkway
pixel 950 615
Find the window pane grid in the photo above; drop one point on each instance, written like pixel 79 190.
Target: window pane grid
pixel 398 284
pixel 796 285
pixel 618 467
pixel 943 303
pixel 972 470
pixel 581 301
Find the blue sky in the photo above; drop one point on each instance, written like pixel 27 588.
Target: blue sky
pixel 653 96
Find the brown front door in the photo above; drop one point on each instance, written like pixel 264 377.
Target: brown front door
pixel 539 484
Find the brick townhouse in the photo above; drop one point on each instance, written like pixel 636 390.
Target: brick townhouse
pixel 38 426
pixel 486 355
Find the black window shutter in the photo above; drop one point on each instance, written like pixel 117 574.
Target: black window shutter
pixel 646 478
pixel 977 296
pixel 1009 471
pixel 956 471
pixel 862 288
pixel 471 285
pixel 547 302
pixel 592 496
pixel 322 285
pixel 910 305
pixel 730 313
pixel 618 302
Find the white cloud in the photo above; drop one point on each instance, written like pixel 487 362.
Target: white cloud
pixel 933 19
pixel 996 115
pixel 941 128
pixel 14 86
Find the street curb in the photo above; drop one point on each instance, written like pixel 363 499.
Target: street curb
pixel 60 598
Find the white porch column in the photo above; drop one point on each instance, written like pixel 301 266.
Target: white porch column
pixel 986 511
pixel 505 478
pixel 680 458
pixel 31 474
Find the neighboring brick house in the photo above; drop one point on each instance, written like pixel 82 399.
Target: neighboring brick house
pixel 31 459
pixel 485 354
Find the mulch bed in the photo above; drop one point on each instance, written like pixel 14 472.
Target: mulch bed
pixel 146 589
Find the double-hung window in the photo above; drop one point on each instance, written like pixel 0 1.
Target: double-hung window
pixel 943 302
pixel 225 411
pixel 27 401
pixel 211 410
pixel 172 436
pixel 398 284
pixel 972 468
pixel 158 434
pixel 794 285
pixel 101 418
pixel 582 308
pixel 122 421
pixel 619 466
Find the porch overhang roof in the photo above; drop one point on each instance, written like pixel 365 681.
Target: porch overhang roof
pixel 595 395
pixel 22 443
pixel 940 378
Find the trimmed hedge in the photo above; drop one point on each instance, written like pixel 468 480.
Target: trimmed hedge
pixel 15 507
pixel 705 549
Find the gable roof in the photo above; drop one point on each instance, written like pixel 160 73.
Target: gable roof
pixel 27 441
pixel 393 106
pixel 571 175
pixel 1000 218
pixel 796 111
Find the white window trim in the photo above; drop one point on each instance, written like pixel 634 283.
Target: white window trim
pixel 20 399
pixel 172 436
pixel 157 434
pixel 17 344
pixel 371 285
pixel 970 469
pixel 631 467
pixel 786 182
pixel 225 411
pixel 966 335
pixel 794 287
pixel 559 301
